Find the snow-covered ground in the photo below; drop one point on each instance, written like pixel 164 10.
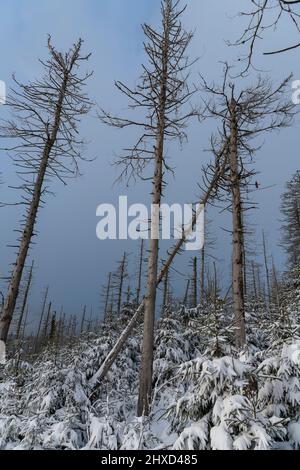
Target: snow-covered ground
pixel 207 395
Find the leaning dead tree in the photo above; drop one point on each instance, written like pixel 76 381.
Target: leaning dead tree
pixel 263 16
pixel 44 129
pixel 162 96
pixel 244 115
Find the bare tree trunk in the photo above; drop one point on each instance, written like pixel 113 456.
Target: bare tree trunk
pixel 52 333
pixel 202 276
pixel 107 296
pixel 139 286
pixel 237 233
pixel 165 293
pixel 47 320
pixel 195 282
pixel 145 383
pixel 244 257
pixel 128 294
pixel 254 282
pixel 41 318
pixel 24 301
pixel 122 275
pixel 260 290
pixel 14 285
pixel 1 302
pixel 276 286
pixel 185 299
pixel 163 92
pixel 215 283
pixel 266 266
pixel 25 323
pixel 83 319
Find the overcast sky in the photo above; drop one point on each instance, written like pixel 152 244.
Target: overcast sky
pixel 67 253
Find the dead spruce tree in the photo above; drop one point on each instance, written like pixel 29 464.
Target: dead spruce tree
pixel 44 128
pixel 162 94
pixel 244 116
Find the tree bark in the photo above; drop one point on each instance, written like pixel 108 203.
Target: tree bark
pixel 107 296
pixel 120 292
pixel 47 320
pixel 186 295
pixel 165 294
pixel 139 286
pixel 237 234
pixel 266 268
pixel 41 319
pixel 145 383
pixel 195 283
pixel 83 319
pixel 24 301
pixel 202 275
